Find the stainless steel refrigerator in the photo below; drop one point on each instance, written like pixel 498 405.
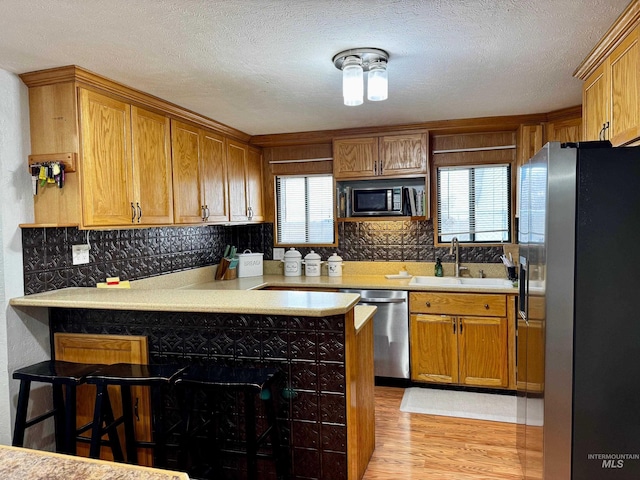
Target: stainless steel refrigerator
pixel 578 343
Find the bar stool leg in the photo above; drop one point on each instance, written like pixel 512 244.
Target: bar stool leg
pixel 21 413
pixel 70 427
pixel 104 413
pixel 158 426
pixel 59 419
pixel 250 427
pixel 129 431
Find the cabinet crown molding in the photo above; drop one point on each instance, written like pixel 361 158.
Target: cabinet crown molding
pixel 626 22
pixel 86 78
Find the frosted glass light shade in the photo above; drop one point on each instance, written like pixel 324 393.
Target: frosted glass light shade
pixel 377 83
pixel 352 81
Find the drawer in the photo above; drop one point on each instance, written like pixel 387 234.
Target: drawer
pixel 486 305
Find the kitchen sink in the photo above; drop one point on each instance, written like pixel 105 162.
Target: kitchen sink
pixel 461 282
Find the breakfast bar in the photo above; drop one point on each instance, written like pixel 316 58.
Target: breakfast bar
pixel 321 341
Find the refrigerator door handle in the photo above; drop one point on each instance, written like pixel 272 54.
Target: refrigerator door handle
pixel 523 293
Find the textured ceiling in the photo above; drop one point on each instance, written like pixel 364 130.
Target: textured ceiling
pixel 264 66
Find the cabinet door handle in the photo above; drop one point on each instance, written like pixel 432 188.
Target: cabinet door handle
pixel 381 169
pixel 461 327
pixel 375 168
pixel 133 213
pixel 206 213
pixel 250 213
pixel 202 211
pixel 453 322
pixel 139 211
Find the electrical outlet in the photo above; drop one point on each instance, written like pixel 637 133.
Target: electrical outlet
pixel 278 253
pixel 80 254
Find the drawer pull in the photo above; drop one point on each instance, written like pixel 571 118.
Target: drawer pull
pixel 486 305
pixel 428 304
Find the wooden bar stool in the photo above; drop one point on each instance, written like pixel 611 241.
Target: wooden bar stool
pixel 252 383
pixel 60 375
pixel 127 375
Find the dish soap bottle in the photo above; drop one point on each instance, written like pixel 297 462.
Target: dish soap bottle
pixel 438 268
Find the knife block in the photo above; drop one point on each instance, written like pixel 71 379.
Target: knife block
pixel 231 274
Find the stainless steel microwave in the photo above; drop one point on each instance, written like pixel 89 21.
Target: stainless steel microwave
pixel 376 201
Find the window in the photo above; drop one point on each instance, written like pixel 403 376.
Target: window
pixel 305 212
pixel 474 203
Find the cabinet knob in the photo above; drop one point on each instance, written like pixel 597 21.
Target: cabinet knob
pixel 486 305
pixel 428 304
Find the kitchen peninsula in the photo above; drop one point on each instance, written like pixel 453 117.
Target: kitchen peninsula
pixel 322 341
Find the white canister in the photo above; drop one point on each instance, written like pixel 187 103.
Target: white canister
pixel 334 264
pixel 312 264
pixel 292 263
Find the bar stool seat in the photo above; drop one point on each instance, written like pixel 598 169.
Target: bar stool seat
pixel 127 375
pixel 59 374
pixel 252 383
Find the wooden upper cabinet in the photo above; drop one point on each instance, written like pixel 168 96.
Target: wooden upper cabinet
pixel 624 83
pixel 107 187
pixel 199 175
pixel 355 158
pixel 529 142
pixel 401 155
pixel 595 103
pixel 245 182
pixel 152 172
pixel 255 198
pixel 376 157
pixel 237 154
pixel 611 108
pixel 214 174
pixel 126 163
pixel 130 164
pixel 188 193
pixel 564 131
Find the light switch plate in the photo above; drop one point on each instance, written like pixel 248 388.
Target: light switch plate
pixel 278 253
pixel 80 254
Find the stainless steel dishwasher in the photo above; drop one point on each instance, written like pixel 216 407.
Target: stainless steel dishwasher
pixel 390 330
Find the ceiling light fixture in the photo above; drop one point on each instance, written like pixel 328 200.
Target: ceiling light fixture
pixel 354 63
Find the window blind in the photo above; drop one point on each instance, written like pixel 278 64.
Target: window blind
pixel 474 203
pixel 305 212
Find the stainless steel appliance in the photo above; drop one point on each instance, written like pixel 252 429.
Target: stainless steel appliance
pixel 377 201
pixel 390 331
pixel 578 358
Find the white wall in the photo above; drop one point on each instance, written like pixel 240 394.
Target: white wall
pixel 24 335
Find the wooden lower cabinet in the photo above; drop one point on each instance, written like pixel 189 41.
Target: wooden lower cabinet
pixel 108 349
pixel 468 348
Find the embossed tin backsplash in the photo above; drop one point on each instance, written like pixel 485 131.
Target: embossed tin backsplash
pixel 129 254
pixel 140 253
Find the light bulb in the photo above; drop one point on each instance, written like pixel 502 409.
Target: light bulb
pixel 352 81
pixel 377 82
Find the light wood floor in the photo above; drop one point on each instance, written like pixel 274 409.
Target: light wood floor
pixel 430 447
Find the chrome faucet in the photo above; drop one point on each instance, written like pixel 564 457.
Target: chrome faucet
pixel 456 243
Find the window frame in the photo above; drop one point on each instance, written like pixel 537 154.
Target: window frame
pixel 467 162
pixel 276 241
